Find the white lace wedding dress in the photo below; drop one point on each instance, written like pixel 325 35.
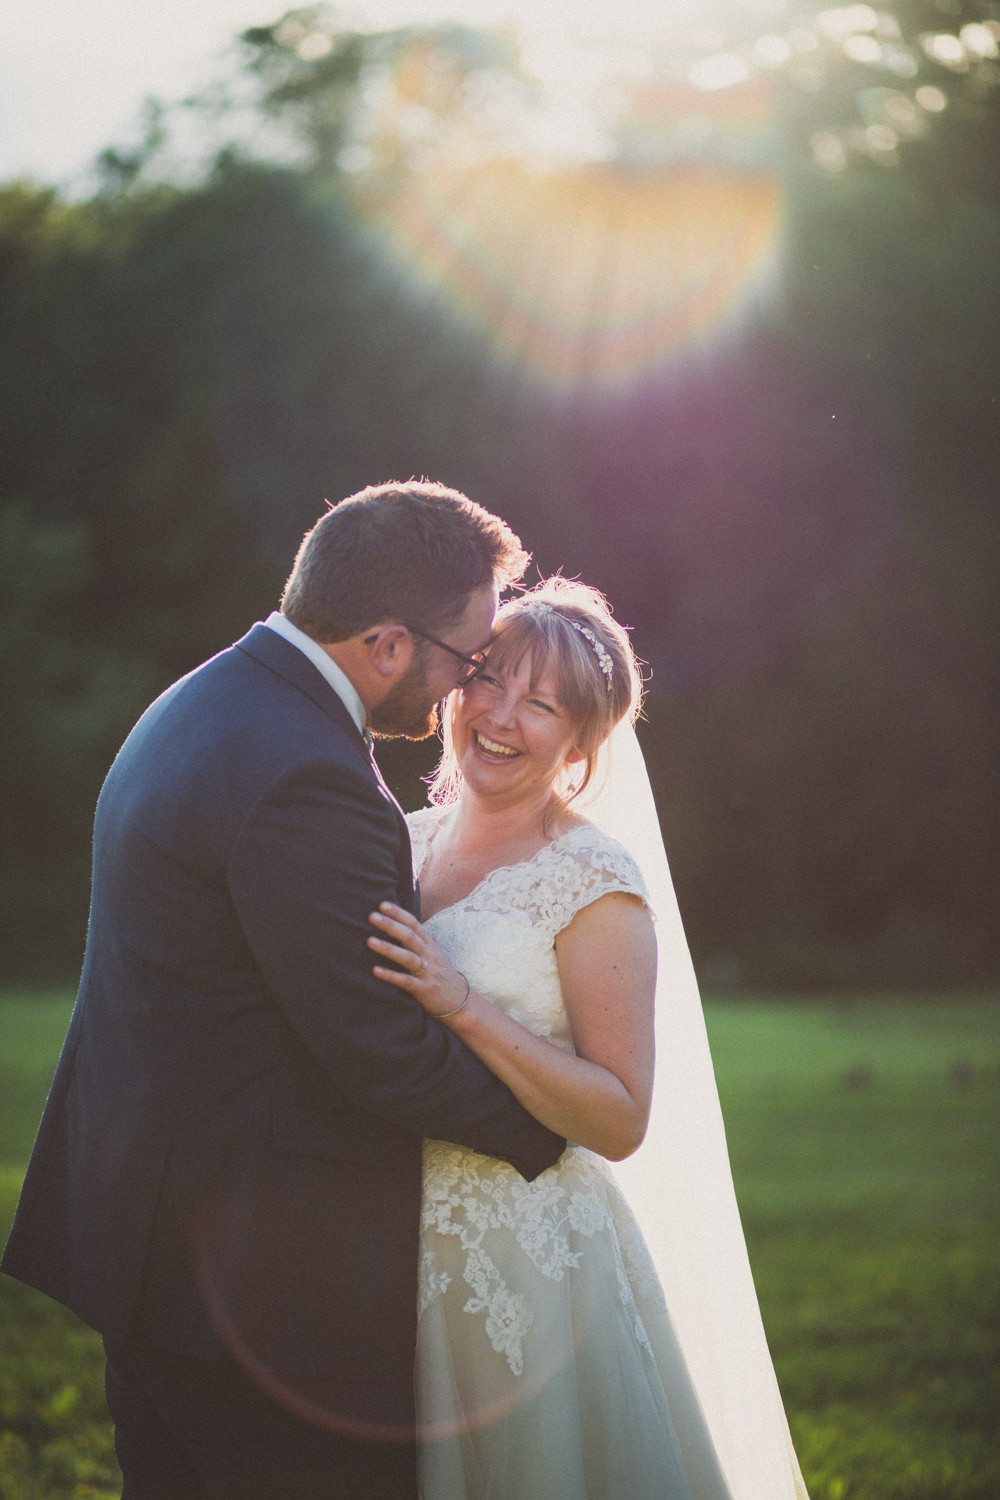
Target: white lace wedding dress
pixel 546 1365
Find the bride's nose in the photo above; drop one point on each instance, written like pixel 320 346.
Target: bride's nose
pixel 503 710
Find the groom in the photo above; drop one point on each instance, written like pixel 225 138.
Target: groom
pixel 227 1178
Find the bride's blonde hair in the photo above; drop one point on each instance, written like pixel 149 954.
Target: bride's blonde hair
pixel 567 628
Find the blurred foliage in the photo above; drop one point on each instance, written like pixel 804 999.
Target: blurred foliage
pixel 799 522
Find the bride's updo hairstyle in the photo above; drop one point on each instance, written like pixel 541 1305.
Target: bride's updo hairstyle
pixel 567 628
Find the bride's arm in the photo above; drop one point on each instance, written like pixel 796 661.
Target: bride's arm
pixel 598 1097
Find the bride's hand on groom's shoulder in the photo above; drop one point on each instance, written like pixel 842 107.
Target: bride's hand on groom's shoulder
pixel 422 969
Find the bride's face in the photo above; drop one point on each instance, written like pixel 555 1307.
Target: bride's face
pixel 512 738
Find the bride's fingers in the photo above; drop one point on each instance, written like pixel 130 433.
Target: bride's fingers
pixel 393 976
pixel 406 932
pixel 402 956
pixel 399 914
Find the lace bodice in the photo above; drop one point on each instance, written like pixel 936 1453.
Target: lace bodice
pixel 479 1213
pixel 502 934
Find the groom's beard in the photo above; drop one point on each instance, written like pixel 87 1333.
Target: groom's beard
pixel 406 712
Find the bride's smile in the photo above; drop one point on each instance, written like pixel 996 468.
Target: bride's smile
pixel 490 747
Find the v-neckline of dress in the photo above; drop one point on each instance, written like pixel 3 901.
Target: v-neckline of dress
pixel 516 864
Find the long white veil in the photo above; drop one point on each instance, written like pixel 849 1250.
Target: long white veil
pixel 679 1183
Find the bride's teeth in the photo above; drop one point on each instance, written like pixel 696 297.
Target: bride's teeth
pixel 493 748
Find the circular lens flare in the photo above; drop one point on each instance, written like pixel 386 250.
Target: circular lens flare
pixel 589 276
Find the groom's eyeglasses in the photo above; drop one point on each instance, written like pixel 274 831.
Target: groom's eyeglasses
pixel 472 664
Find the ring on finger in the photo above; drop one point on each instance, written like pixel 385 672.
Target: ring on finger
pixel 422 969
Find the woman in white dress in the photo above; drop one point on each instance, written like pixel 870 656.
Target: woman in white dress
pixel 555 1360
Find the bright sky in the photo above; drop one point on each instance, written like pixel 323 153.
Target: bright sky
pixel 73 73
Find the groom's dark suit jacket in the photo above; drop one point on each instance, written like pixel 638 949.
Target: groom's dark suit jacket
pixel 230 1157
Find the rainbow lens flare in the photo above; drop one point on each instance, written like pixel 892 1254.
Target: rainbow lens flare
pixel 588 277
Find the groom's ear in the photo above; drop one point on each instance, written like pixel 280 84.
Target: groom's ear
pixel 390 649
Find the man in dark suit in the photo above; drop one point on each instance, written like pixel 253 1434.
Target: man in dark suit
pixel 227 1177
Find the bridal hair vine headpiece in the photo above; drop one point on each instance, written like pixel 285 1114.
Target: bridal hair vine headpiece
pixel 604 661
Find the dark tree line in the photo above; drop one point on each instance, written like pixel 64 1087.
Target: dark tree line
pixel 801 526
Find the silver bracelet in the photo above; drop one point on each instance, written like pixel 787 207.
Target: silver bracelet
pixel 446 1015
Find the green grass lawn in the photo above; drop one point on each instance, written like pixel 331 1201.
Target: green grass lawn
pixel 863 1135
pixel 55 1437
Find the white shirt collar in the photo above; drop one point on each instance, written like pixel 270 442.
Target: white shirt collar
pixel 323 662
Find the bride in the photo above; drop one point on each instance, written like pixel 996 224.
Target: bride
pixel 594 1334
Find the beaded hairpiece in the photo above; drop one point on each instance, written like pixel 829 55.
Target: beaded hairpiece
pixel 604 661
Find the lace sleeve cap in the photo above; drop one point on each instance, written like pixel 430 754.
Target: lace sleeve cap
pixel 586 865
pixel 421 824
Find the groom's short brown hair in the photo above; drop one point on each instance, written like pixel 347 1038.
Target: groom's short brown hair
pixel 409 552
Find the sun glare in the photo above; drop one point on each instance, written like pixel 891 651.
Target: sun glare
pixel 627 209
pixel 584 280
pixel 621 219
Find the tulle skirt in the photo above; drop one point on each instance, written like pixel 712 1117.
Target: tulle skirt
pixel 549 1371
